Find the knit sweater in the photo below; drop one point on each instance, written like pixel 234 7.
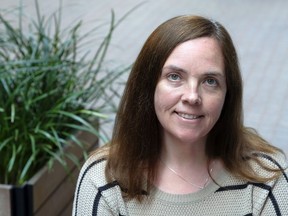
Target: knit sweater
pixel 230 196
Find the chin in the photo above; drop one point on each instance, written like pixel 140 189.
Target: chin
pixel 191 139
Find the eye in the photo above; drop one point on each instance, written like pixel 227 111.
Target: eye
pixel 211 82
pixel 174 77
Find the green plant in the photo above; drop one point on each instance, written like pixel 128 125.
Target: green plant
pixel 49 87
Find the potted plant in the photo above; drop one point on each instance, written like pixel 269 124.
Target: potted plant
pixel 52 91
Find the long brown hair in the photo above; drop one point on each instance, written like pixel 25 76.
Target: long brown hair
pixel 136 140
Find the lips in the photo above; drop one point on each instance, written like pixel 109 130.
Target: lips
pixel 189 116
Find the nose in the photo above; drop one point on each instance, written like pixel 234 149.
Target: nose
pixel 191 95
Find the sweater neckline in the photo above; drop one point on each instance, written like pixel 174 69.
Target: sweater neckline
pixel 191 197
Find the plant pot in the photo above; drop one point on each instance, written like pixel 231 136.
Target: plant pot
pixel 48 192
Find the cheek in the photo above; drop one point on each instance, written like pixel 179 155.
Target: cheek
pixel 159 103
pixel 165 99
pixel 161 97
pixel 217 106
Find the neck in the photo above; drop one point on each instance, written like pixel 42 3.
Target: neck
pixel 184 154
pixel 185 168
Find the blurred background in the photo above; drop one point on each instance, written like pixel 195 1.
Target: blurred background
pixel 259 29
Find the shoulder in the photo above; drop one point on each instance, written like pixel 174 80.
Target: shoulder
pixel 267 165
pixel 93 169
pixel 271 197
pixel 272 167
pixel 273 161
pixel 93 192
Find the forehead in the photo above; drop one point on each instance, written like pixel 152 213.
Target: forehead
pixel 201 53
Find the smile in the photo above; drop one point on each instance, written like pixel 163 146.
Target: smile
pixel 189 116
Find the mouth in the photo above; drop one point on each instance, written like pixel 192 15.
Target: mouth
pixel 189 116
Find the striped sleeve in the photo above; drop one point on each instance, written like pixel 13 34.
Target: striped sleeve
pixel 93 195
pixel 277 199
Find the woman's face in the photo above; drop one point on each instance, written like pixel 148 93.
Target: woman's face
pixel 191 91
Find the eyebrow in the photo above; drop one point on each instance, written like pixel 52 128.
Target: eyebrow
pixel 178 69
pixel 216 74
pixel 174 68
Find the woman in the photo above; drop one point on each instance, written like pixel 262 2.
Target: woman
pixel 179 146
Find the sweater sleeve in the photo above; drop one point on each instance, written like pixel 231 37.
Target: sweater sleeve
pixel 276 202
pixel 93 195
